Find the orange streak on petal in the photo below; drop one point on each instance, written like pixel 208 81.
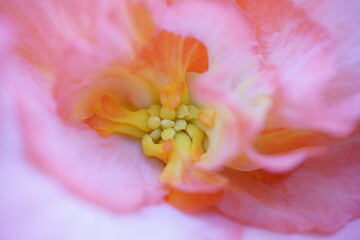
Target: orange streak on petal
pixel 172 95
pixel 167 57
pixel 267 177
pixel 206 116
pixel 143 22
pixel 192 202
pixel 113 110
pixel 168 146
pixel 195 56
pixel 288 140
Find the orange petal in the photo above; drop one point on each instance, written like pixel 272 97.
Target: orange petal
pixel 192 202
pixel 284 140
pixel 206 116
pixel 168 57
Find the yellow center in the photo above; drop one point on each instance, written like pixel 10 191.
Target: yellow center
pixel 171 127
pixel 167 124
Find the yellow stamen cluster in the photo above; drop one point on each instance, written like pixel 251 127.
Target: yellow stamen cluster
pixel 166 123
pixel 159 125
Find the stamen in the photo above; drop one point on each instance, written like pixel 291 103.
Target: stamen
pixel 155 134
pixel 180 125
pixel 166 123
pixel 180 153
pixel 106 127
pixel 167 113
pixel 161 150
pixel 154 110
pixel 182 111
pixel 159 126
pixel 194 112
pixel 154 122
pixel 173 95
pixel 115 112
pixel 206 116
pixel 168 133
pixel 197 137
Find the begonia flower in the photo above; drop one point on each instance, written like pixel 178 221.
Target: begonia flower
pixel 231 113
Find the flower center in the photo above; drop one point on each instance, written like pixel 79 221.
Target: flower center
pixel 172 127
pixel 169 124
pixel 149 99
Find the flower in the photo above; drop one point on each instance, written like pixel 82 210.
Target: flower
pixel 227 87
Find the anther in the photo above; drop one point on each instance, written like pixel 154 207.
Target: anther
pixel 167 113
pixel 155 134
pixel 154 110
pixel 195 133
pixel 182 111
pixel 115 112
pixel 166 123
pixel 197 137
pixel 206 116
pixel 154 122
pixel 168 133
pixel 180 125
pixel 161 150
pixel 194 112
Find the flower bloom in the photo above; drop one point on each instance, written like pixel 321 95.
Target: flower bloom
pixel 244 106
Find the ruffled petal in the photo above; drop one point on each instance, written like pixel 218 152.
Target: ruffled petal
pixel 305 54
pixel 106 170
pixel 321 195
pixel 79 87
pixel 340 20
pixel 231 60
pixel 225 34
pixel 348 232
pixel 45 27
pixel 33 206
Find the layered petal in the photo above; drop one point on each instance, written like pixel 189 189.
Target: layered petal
pixel 44 28
pixel 346 38
pixel 321 195
pixel 348 232
pixel 90 165
pixel 305 54
pixel 231 60
pixel 51 212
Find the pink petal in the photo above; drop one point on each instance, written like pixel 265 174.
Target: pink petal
pixel 112 172
pixel 45 28
pixel 33 206
pixel 321 195
pixel 304 53
pixel 340 20
pixel 350 231
pixel 90 79
pixel 224 32
pixel 226 36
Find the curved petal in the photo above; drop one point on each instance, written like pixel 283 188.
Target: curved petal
pixel 226 36
pixel 349 232
pixel 240 118
pixel 321 195
pixel 281 150
pixel 84 76
pixel 304 52
pixel 343 29
pixel 106 170
pixel 33 201
pixel 45 27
